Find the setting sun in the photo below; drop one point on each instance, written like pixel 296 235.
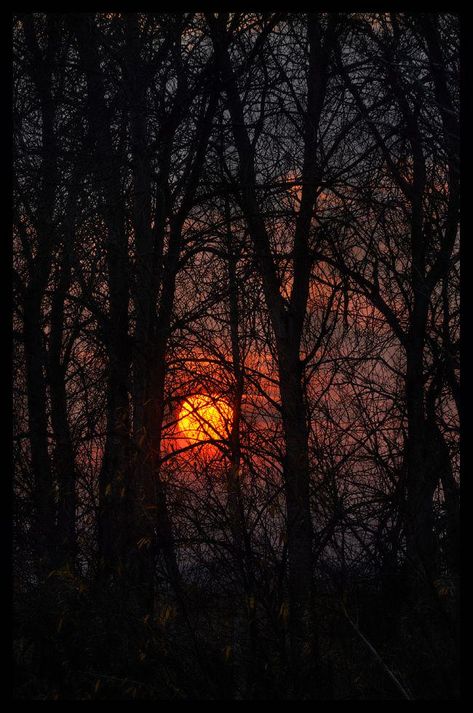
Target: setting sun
pixel 204 418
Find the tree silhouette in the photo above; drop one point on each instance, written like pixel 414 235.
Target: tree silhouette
pixel 236 355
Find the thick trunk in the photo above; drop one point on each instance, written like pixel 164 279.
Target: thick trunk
pixel 153 322
pixel 114 487
pixel 299 526
pixel 287 323
pixel 144 497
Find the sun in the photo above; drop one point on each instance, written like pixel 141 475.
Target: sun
pixel 204 418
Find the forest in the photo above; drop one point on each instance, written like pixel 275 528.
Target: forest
pixel 236 347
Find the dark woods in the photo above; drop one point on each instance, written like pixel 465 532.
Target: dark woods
pixel 262 209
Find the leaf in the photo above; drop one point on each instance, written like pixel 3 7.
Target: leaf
pixel 166 613
pixel 144 541
pixel 284 611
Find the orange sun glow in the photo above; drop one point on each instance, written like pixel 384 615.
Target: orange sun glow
pixel 204 418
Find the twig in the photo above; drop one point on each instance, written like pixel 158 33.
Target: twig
pixel 396 681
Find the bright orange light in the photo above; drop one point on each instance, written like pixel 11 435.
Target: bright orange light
pixel 204 418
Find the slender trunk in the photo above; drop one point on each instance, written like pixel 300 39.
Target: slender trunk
pixel 64 460
pixel 41 69
pixel 440 465
pixel 420 539
pixel 43 530
pixel 244 638
pixel 154 410
pixel 421 550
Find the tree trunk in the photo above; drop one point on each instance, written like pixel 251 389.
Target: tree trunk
pixel 114 486
pixel 420 541
pixel 244 626
pixel 41 69
pixel 43 529
pixel 64 460
pixel 287 323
